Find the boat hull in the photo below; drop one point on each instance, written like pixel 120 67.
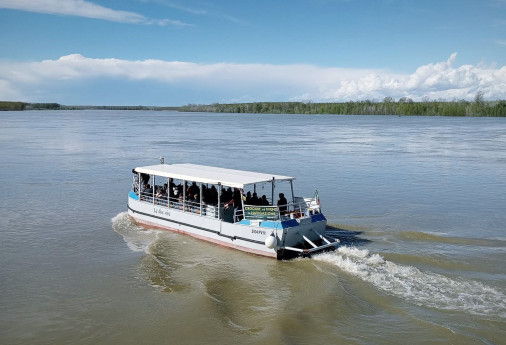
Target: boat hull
pixel 247 236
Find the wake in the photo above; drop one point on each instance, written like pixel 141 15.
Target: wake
pixel 137 238
pixel 422 288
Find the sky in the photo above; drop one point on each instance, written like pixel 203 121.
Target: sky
pixel 175 52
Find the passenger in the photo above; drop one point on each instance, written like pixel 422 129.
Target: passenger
pixel 165 190
pixel 255 200
pixel 223 193
pixel 282 204
pixel 205 192
pixel 205 200
pixel 145 178
pixel 195 203
pixel 230 194
pixel 173 196
pixel 180 201
pixel 234 199
pixel 230 202
pixel 135 182
pixel 213 195
pixel 147 190
pixel 263 201
pixel 159 192
pixel 186 190
pixel 159 195
pixel 237 198
pixel 223 197
pixel 171 187
pixel 248 198
pixel 192 190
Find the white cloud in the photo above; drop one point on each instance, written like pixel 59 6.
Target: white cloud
pixel 178 7
pixel 82 8
pixel 260 82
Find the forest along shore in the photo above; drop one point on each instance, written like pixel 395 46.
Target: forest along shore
pixel 19 106
pixel 388 106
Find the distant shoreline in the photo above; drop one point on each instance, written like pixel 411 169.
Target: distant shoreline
pixel 20 106
pixel 402 107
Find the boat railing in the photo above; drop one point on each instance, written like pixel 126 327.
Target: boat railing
pixel 238 215
pixel 210 211
pixel 299 209
pixel 292 210
pixel 145 196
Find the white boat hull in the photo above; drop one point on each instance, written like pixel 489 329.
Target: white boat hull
pixel 247 236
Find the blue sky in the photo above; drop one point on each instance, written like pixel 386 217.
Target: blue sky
pixel 172 52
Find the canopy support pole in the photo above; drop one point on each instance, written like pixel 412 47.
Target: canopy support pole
pixel 184 195
pixel 293 196
pixel 219 202
pixel 272 191
pixel 201 199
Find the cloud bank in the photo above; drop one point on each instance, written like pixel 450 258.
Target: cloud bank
pixel 41 81
pixel 82 8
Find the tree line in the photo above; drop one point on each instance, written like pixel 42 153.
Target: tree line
pixel 15 106
pixel 404 106
pixel 386 107
pixel 12 105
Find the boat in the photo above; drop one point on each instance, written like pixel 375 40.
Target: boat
pixel 222 206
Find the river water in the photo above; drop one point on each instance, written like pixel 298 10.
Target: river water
pixel 420 203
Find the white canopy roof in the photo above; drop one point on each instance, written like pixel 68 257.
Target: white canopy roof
pixel 212 175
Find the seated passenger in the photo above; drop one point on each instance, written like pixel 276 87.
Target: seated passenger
pixel 194 189
pixel 147 190
pixel 180 201
pixel 195 203
pixel 158 193
pixel 263 201
pixel 175 193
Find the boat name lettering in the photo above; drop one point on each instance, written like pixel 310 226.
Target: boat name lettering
pixel 260 232
pixel 159 210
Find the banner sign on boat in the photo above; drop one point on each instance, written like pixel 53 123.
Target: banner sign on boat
pixel 261 212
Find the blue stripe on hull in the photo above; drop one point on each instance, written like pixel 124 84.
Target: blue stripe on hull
pixel 290 223
pixel 132 195
pixel 317 217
